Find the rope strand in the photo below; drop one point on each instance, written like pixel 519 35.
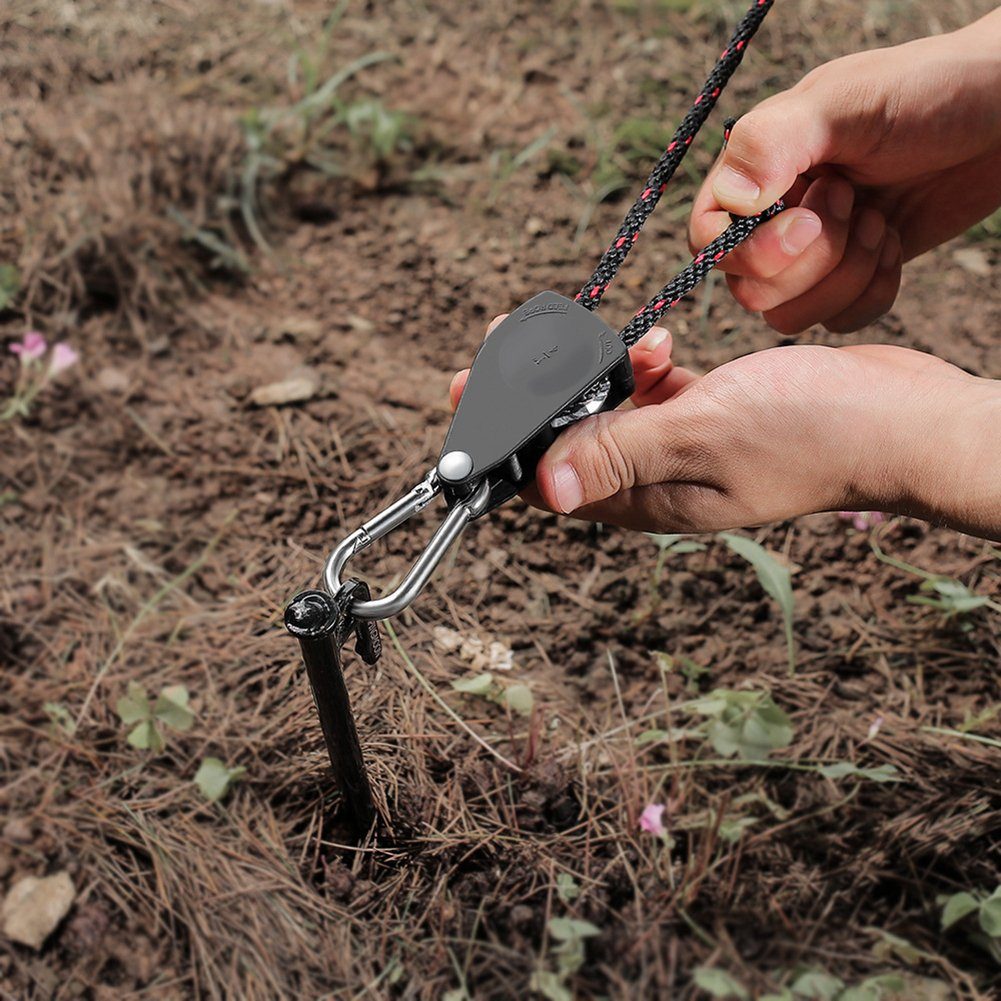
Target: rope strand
pixel 612 259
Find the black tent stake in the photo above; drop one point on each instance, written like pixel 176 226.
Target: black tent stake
pixel 319 623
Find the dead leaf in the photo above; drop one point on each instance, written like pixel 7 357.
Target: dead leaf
pixel 301 385
pixel 34 907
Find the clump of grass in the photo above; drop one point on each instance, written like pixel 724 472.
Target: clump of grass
pixel 132 197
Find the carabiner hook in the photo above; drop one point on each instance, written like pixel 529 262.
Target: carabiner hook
pixel 461 514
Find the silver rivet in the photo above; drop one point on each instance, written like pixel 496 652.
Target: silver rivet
pixel 455 466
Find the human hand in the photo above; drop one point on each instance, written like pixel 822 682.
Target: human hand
pixel 781 433
pixel 880 155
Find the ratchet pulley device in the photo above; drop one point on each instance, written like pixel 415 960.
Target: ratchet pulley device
pixel 552 362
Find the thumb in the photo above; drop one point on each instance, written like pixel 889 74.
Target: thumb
pixel 768 149
pixel 612 452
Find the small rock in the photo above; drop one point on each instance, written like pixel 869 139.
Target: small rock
pixel 360 324
pixel 303 328
pixel 301 385
pixel 18 831
pixel 34 907
pixel 974 260
pixel 534 226
pixel 448 640
pixel 112 380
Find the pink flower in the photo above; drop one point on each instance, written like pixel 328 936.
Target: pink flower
pixel 31 348
pixel 862 520
pixel 652 819
pixel 63 357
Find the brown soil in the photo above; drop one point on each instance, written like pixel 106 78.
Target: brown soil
pixel 155 522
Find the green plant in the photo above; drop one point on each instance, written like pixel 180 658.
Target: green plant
pixel 818 985
pixel 567 956
pixel 215 778
pixel 987 908
pixel 690 671
pixel 39 367
pixel 746 724
pixel 517 696
pixel 945 594
pixel 10 285
pixel 148 719
pixel 666 545
pixel 504 164
pixel 775 578
pixel 60 718
pixel 844 769
pixel 566 887
pixel 311 129
pixel 987 229
pixel 718 983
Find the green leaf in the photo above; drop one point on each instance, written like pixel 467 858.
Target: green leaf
pixel 663 541
pixel 957 907
pixel 775 579
pixel 146 737
pixel 842 769
pixel 650 737
pixel 990 915
pixel 10 284
pixel 731 829
pixel 768 725
pixel 60 717
pixel 890 945
pixel 474 684
pixel 550 986
pixel 568 929
pixel 566 887
pixel 724 739
pixel 134 705
pixel 863 992
pixel 881 773
pixel 171 708
pixel 214 778
pixel 817 985
pixel 687 546
pixel 718 983
pixel 519 698
pixel 839 770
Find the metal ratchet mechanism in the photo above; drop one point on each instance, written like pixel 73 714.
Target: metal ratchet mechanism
pixel 550 363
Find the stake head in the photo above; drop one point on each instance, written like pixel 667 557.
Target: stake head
pixel 311 614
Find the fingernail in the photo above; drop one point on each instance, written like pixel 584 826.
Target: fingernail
pixel 891 250
pixel 653 339
pixel 732 186
pixel 799 232
pixel 870 229
pixel 567 488
pixel 840 200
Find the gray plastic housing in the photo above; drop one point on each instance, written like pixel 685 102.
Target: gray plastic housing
pixel 538 362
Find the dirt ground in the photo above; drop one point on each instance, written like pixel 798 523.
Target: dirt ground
pixel 155 521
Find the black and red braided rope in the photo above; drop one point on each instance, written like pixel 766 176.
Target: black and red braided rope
pixel 613 258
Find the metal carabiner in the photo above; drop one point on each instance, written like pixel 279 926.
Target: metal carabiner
pixel 461 514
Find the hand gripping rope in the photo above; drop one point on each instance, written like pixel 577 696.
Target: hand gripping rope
pixel 552 362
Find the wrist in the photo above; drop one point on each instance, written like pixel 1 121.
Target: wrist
pixel 938 458
pixel 962 489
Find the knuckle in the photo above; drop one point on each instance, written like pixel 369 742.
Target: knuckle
pixel 611 469
pixel 755 296
pixel 787 322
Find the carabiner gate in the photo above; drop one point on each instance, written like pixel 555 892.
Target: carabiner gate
pixel 460 515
